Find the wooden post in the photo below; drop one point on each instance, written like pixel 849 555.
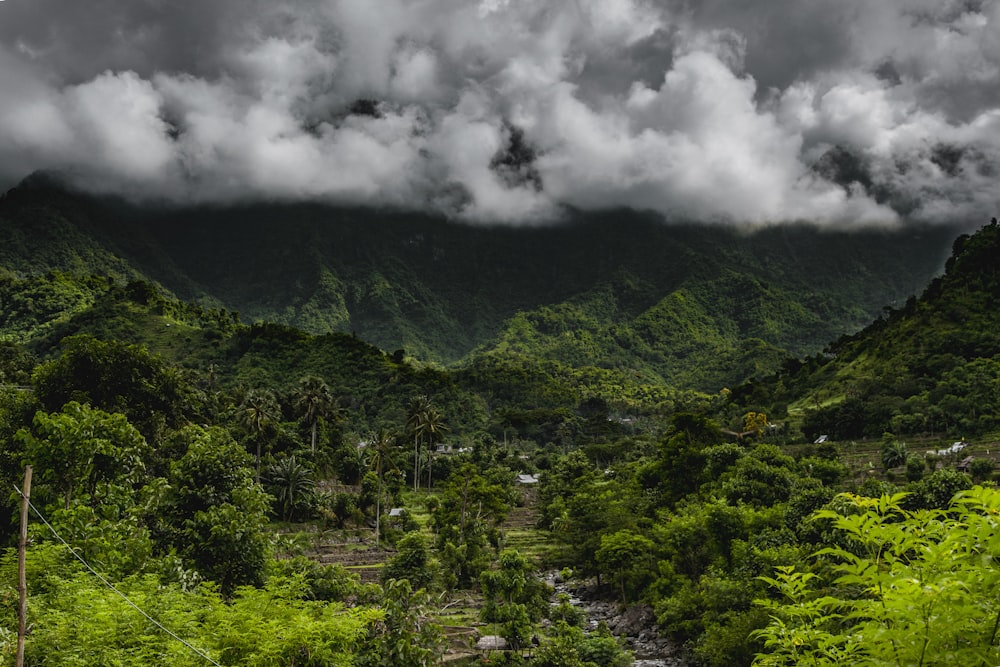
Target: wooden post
pixel 22 578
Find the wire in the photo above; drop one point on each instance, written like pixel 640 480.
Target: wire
pixel 112 586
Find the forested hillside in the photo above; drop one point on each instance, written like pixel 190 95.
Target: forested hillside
pixel 690 306
pixel 928 366
pixel 277 496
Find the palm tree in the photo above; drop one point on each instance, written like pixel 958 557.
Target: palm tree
pixel 894 454
pixel 380 449
pixel 434 430
pixel 292 481
pixel 314 399
pixel 256 412
pixel 416 412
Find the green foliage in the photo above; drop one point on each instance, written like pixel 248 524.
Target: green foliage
pixel 981 469
pixel 78 621
pixel 935 360
pixel 580 505
pixel 646 494
pixel 596 294
pixel 292 485
pixel 626 555
pixel 116 377
pixel 467 520
pixel 406 636
pixel 513 598
pixel 894 454
pixel 678 470
pixel 412 562
pixel 212 513
pixel 570 646
pixel 315 400
pixel 915 588
pixel 828 471
pixel 757 482
pixel 321 581
pixel 935 491
pixel 33 306
pixel 84 450
pixel 915 469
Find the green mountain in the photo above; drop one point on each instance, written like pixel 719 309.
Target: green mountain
pixel 930 366
pixel 690 306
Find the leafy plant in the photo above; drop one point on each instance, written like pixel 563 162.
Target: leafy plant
pixel 908 588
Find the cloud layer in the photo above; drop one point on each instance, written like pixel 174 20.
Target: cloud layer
pixel 835 111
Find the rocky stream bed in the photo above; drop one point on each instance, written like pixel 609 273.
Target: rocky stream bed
pixel 635 624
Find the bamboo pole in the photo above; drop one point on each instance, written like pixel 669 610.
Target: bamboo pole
pixel 22 577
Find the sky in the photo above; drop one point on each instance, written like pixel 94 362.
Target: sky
pixel 839 112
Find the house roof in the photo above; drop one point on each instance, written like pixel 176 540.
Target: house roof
pixel 492 643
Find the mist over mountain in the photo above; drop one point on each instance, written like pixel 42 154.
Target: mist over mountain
pixel 691 305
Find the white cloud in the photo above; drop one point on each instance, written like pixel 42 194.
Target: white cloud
pixel 704 111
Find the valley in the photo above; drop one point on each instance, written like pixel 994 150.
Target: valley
pixel 690 428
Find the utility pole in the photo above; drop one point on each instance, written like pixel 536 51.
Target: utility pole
pixel 22 578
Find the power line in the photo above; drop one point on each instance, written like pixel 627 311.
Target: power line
pixel 112 586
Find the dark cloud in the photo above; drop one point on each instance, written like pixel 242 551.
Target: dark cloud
pixel 717 110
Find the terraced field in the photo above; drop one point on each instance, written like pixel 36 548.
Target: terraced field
pixel 458 613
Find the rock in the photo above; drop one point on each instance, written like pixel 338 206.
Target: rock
pixel 635 624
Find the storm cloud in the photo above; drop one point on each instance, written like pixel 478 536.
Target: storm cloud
pixel 834 111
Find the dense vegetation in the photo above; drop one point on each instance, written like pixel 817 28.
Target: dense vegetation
pixel 684 305
pixel 928 367
pixel 192 460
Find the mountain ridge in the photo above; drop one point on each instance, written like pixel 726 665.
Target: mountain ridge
pixel 616 289
pixel 929 366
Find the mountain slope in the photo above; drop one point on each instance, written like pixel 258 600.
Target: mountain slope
pixel 690 305
pixel 931 366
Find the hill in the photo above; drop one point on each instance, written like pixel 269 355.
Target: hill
pixel 929 366
pixel 687 305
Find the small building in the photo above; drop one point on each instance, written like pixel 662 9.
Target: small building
pixel 451 449
pixel 397 513
pixel 492 643
pixel 821 439
pixel 965 464
pixel 954 449
pixel 527 480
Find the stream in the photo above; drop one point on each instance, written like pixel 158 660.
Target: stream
pixel 636 625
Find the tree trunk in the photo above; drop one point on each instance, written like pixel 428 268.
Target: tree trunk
pixel 258 458
pixel 22 580
pixel 378 504
pixel 416 461
pixel 315 423
pixel 430 467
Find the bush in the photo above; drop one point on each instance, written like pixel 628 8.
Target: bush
pixel 914 469
pixel 981 469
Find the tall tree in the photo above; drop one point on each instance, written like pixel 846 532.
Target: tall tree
pixel 415 414
pixel 84 447
pixel 256 412
pixel 513 598
pixel 381 443
pixel 434 430
pixel 314 399
pixel 213 514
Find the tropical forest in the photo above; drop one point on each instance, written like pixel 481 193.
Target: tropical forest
pixel 304 435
